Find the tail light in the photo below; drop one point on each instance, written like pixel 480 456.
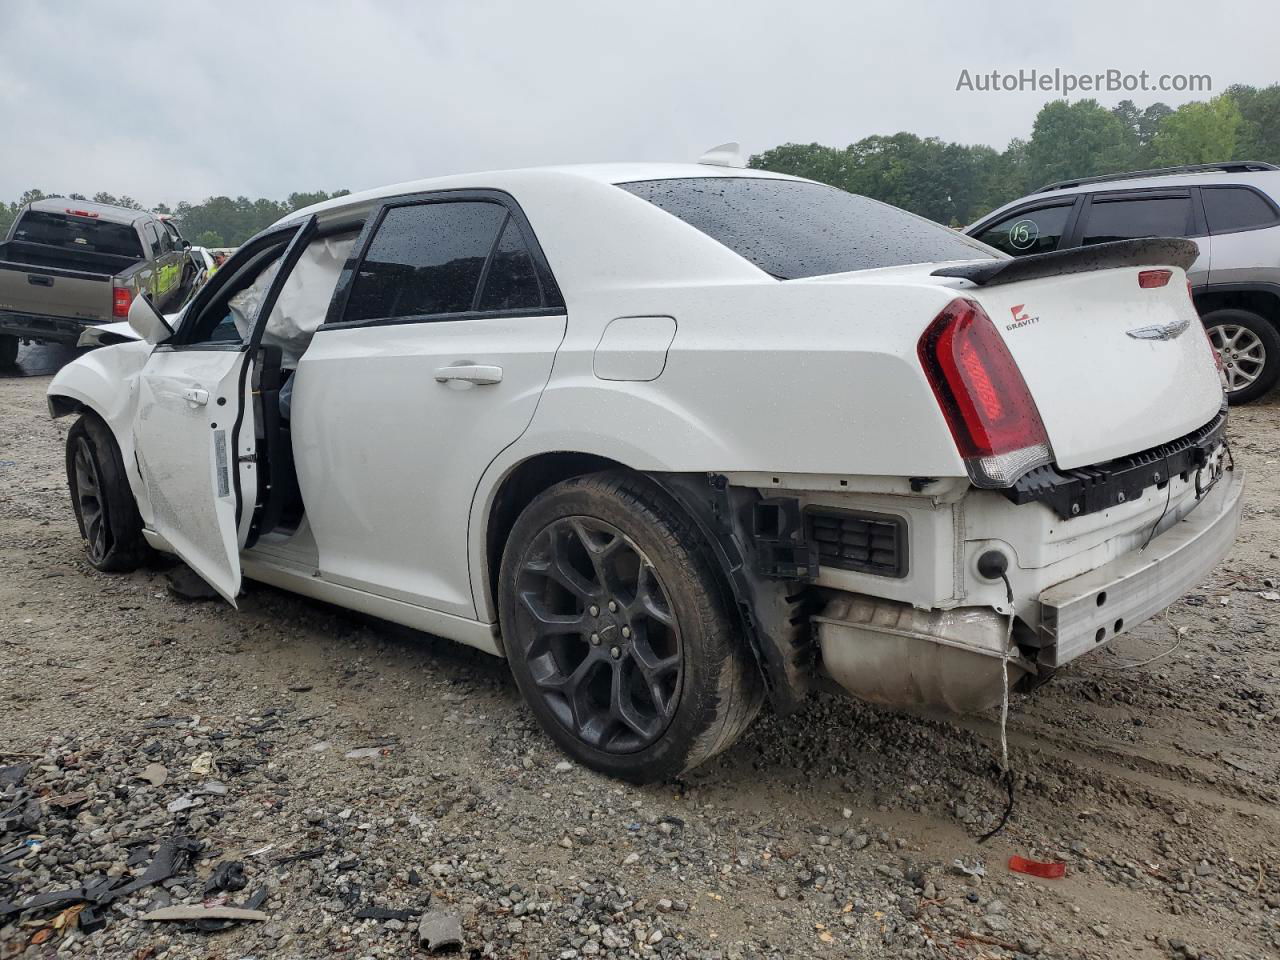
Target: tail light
pixel 1154 278
pixel 121 300
pixel 983 396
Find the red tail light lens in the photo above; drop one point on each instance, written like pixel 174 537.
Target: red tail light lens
pixel 983 396
pixel 1154 278
pixel 121 300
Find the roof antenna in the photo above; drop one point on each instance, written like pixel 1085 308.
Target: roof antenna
pixel 725 155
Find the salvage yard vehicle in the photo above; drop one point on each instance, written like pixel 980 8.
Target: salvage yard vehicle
pixel 70 264
pixel 672 439
pixel 1230 210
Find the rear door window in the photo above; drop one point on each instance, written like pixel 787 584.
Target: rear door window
pixel 1130 218
pixel 1236 208
pixel 78 233
pixel 1038 230
pixel 425 260
pixel 795 228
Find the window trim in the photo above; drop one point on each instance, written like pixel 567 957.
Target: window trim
pixel 1068 228
pixel 272 237
pixel 1266 198
pixel 548 288
pixel 1195 225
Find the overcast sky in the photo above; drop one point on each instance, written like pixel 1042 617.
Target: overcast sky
pixel 170 101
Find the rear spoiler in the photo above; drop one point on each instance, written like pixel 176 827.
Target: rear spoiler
pixel 1151 252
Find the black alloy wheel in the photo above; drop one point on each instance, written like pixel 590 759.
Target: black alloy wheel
pixel 603 646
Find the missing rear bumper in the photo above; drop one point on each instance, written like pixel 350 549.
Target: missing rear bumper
pixel 1086 611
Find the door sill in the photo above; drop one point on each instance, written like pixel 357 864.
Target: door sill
pixel 473 633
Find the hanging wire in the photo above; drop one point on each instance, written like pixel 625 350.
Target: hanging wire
pixel 1005 771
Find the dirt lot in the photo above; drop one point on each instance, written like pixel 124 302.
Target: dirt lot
pixel 830 833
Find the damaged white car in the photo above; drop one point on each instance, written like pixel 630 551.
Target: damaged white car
pixel 673 439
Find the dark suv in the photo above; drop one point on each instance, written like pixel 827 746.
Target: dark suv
pixel 1231 210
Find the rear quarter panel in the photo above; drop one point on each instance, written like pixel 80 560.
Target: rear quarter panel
pixel 761 377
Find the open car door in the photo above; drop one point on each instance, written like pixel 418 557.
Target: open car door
pixel 194 433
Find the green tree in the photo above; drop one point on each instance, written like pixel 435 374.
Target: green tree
pixel 209 239
pixel 1140 128
pixel 1259 135
pixel 125 201
pixel 1199 132
pixel 1078 139
pixel 947 182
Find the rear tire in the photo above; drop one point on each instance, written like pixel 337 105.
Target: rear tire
pixel 8 351
pixel 620 631
pixel 1250 350
pixel 104 506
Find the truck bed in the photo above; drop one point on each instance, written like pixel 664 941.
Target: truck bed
pixel 49 292
pixel 18 254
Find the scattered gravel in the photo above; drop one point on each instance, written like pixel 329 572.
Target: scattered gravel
pixel 378 788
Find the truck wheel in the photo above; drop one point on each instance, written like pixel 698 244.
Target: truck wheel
pixel 8 351
pixel 620 631
pixel 1250 350
pixel 104 504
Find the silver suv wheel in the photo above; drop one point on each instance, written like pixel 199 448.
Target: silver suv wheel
pixel 1244 356
pixel 1248 346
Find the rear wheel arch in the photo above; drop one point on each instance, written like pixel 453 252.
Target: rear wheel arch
pixel 718 688
pixel 518 489
pixel 770 614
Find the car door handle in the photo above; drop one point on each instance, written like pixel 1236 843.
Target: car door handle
pixel 38 281
pixel 477 373
pixel 196 397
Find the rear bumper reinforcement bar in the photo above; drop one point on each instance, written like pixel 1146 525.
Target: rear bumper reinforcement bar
pixel 1085 612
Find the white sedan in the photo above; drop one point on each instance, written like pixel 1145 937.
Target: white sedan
pixel 673 439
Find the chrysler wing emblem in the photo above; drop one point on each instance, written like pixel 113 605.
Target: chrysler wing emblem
pixel 1163 331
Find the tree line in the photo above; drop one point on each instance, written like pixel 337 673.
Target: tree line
pixel 956 183
pixel 953 183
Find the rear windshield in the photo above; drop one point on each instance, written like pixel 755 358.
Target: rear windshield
pixel 78 233
pixel 793 228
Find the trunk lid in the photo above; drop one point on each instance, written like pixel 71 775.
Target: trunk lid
pixel 1114 368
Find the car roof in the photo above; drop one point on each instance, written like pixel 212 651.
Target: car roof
pixel 1268 181
pixel 600 173
pixel 101 211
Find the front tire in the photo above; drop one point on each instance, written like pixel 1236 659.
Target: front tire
pixel 1249 347
pixel 8 350
pixel 105 509
pixel 620 631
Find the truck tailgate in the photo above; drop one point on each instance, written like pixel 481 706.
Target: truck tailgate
pixel 54 292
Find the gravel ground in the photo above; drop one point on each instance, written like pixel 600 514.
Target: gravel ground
pixel 350 765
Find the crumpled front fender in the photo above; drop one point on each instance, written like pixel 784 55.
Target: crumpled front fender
pixel 105 381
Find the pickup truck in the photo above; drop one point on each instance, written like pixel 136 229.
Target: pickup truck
pixel 70 264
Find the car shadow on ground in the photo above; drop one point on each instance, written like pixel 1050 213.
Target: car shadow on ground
pixel 40 360
pixel 842 750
